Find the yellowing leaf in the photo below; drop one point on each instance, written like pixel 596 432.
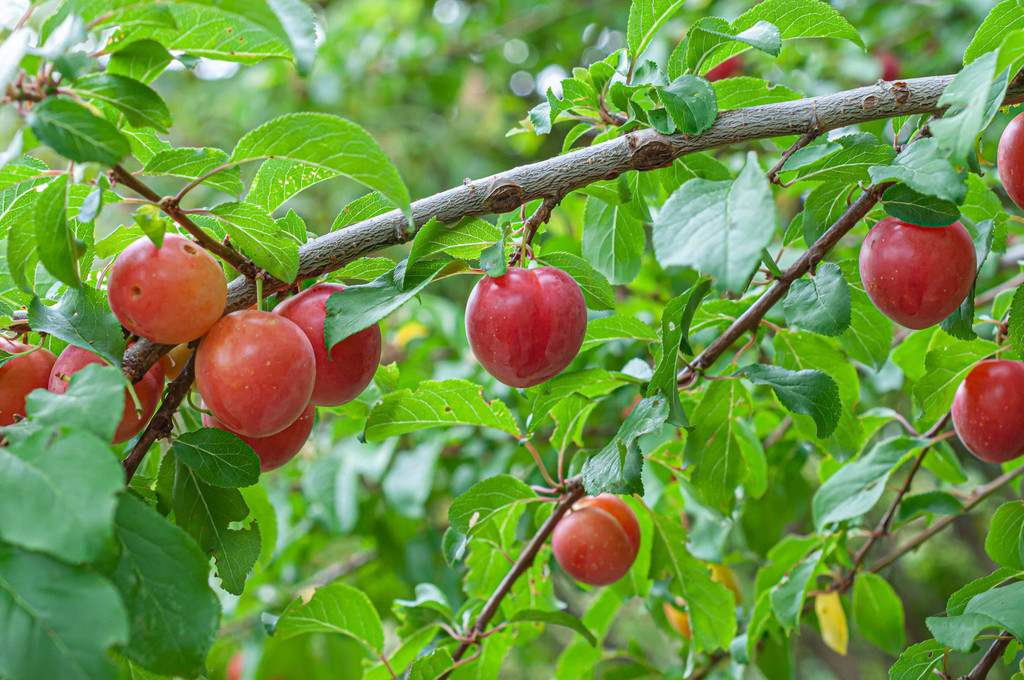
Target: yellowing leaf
pixel 832 620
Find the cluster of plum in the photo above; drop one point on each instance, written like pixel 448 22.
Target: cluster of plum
pixel 918 276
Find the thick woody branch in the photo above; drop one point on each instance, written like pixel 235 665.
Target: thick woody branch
pixel 993 654
pixel 557 177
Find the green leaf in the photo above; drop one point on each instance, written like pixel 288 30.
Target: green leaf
pixel 1005 605
pixel 809 392
pixel 918 662
pixel 590 383
pixel 675 327
pixel 744 91
pixel 595 287
pixel 709 33
pixel 219 458
pixel 929 502
pixel 365 269
pixel 335 608
pixel 492 259
pixel 437 403
pixel 163 577
pixel 645 18
pixel 857 486
pixel 613 241
pixel 205 513
pixel 54 239
pixel 465 240
pixel 141 105
pixel 849 164
pixel 787 599
pixel 904 203
pixel 279 179
pixel 923 167
pixel 617 467
pixel 257 235
pixel 142 60
pixel 44 607
pixel 76 133
pixel 720 448
pixel 1005 541
pixel 363 208
pixel 820 304
pixel 1006 17
pixel 82 318
pixel 94 402
pixel 718 227
pixel 1016 322
pixel 556 618
pixel 431 666
pixel 969 112
pixel 57 494
pixel 472 509
pixel 361 306
pixel 958 601
pixel 329 143
pixel 822 208
pixel 617 327
pixel 691 103
pixel 869 337
pixel 946 364
pixel 711 604
pixel 193 163
pixel 878 612
pixel 958 632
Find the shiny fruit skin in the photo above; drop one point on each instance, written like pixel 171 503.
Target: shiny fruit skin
pixel 175 360
pixel 277 449
pixel 917 276
pixel 353 361
pixel 21 375
pixel 678 619
pixel 255 371
pixel 170 295
pixel 148 390
pixel 987 410
pixel 727 69
pixel 598 541
pixel 1010 160
pixel 526 326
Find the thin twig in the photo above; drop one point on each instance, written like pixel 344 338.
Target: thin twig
pixel 980 672
pixel 806 138
pixel 163 420
pixel 530 227
pixel 234 258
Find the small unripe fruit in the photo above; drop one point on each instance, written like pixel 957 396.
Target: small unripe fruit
pixel 598 541
pixel 21 375
pixel 353 362
pixel 277 449
pixel 1010 160
pixel 917 276
pixel 255 371
pixel 526 326
pixel 170 295
pixel 148 390
pixel 175 360
pixel 987 410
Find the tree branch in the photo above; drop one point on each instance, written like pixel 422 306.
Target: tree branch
pixel 163 420
pixel 980 672
pixel 574 492
pixel 560 176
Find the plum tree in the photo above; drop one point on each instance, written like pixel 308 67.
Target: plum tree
pixel 917 276
pixel 1010 159
pixel 598 541
pixel 255 371
pixel 526 326
pixel 277 449
pixel 987 410
pixel 21 375
pixel 343 375
pixel 148 390
pixel 170 294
